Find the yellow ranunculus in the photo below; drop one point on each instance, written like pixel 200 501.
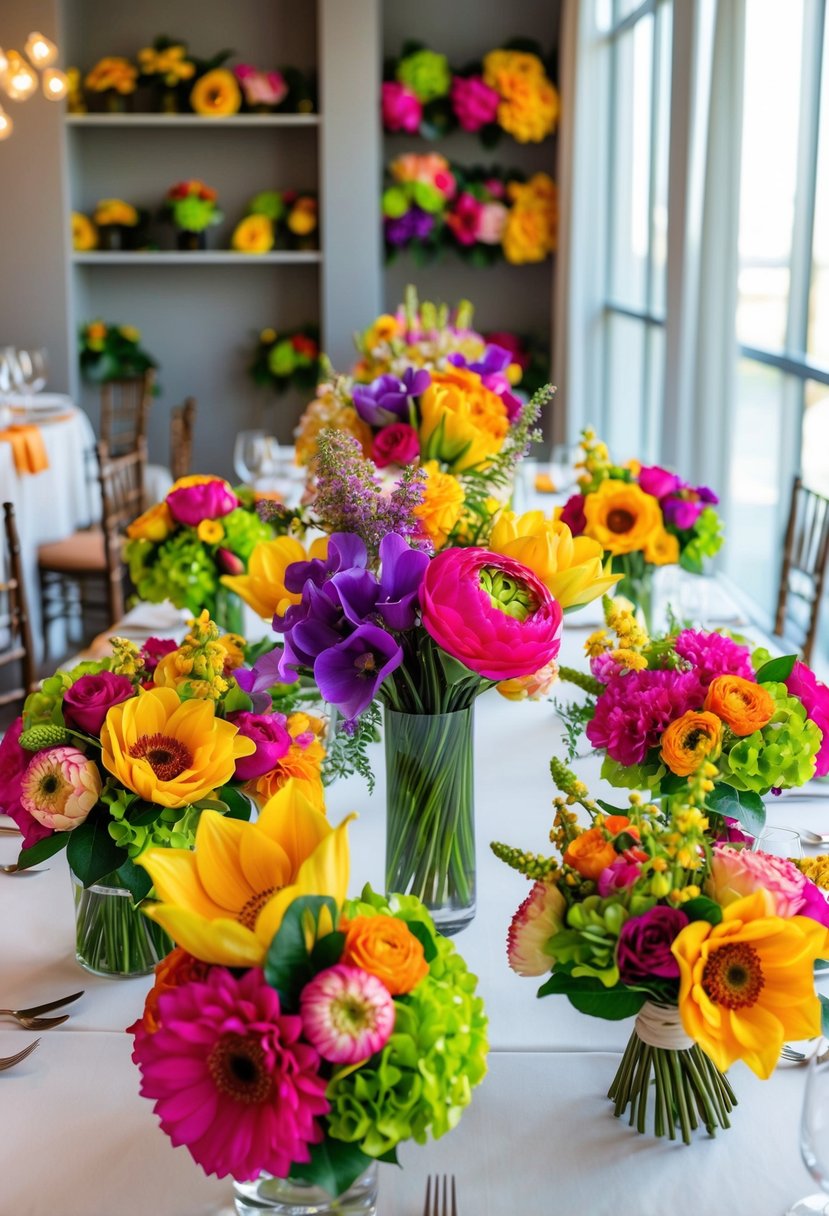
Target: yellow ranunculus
pixel 210 532
pixel 621 516
pixel 84 232
pixel 253 234
pixel 224 901
pixel 662 549
pixel 442 504
pixel 747 984
pixel 216 94
pixel 463 423
pixel 155 524
pixel 168 751
pixel 263 587
pixel 570 566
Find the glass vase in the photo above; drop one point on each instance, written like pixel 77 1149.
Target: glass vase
pixel 191 242
pixel 112 937
pixel 638 588
pixel 293 1197
pixel 430 814
pixel 228 611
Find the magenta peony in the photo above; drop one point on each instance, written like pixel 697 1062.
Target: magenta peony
pixel 464 219
pixel 86 702
pixel 347 1013
pixel 490 613
pixel 644 948
pixel 232 1079
pixel 14 760
pixel 60 787
pixel 804 684
pixel 713 654
pixel 537 920
pixel 272 738
pixel 395 444
pixel 635 708
pixel 400 107
pixel 736 873
pixel 475 104
pixel 212 499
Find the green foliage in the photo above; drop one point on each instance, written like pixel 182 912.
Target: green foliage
pixel 781 754
pixel 347 752
pixel 776 670
pixel 574 717
pixel 745 806
pixel 91 851
pixel 703 908
pixel 45 848
pixel 592 997
pixel 288 965
pixel 334 1166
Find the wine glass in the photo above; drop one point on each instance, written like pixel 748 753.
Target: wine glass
pixel 814 1136
pixel 33 368
pixel 253 457
pixel 779 842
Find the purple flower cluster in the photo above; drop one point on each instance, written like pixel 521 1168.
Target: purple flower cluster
pixel 635 708
pixel 492 368
pixel 681 503
pixel 415 225
pixel 713 654
pixel 388 398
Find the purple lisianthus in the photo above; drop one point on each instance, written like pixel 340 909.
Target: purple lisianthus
pixel 658 482
pixel 474 103
pixel 257 680
pixel 401 108
pixel 387 398
pixel 636 707
pixel 86 702
pixel 314 625
pixel 713 654
pixel 350 673
pixel 572 514
pixel 189 505
pixel 345 552
pixel 272 738
pixel 154 650
pixel 415 225
pixel 644 949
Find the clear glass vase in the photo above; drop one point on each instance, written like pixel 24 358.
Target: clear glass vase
pixel 293 1197
pixel 228 611
pixel 112 937
pixel 430 813
pixel 638 588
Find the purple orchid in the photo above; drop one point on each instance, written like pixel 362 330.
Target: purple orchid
pixel 349 674
pixel 257 680
pixel 387 398
pixel 310 627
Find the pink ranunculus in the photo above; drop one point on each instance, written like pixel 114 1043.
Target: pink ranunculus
pixel 400 107
pixel 464 219
pixel 347 1014
pixel 272 738
pixel 86 702
pixel 395 444
pixel 491 222
pixel 60 787
pixel 657 481
pixel 736 873
pixel 804 684
pixel 14 760
pixel 490 613
pixel 475 104
pixel 572 514
pixel 495 188
pixel 618 876
pixel 189 505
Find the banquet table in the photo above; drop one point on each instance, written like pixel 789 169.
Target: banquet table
pixel 539 1136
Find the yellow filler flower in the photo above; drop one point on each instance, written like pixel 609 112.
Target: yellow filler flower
pixel 747 984
pixel 571 567
pixel 263 587
pixel 224 901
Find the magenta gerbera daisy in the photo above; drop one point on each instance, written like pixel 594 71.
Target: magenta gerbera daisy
pixel 232 1079
pixel 347 1014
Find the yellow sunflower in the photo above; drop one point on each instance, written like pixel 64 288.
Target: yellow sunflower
pixel 224 901
pixel 216 94
pixel 263 587
pixel 621 516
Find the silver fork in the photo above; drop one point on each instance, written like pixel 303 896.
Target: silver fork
pixel 10 1061
pixel 800 1057
pixel 30 1019
pixel 434 1206
pixel 15 869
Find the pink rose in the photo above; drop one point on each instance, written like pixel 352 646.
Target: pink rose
pixel 395 444
pixel 261 88
pixel 444 181
pixel 273 741
pixel 14 760
pixel 658 482
pixel 491 222
pixel 475 103
pixel 212 499
pixel 85 704
pixel 804 684
pixel 400 107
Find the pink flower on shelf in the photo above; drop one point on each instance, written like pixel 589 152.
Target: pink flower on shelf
pixel 261 88
pixel 540 917
pixel 347 1013
pixel 804 684
pixel 231 1077
pixel 14 760
pixel 475 104
pixel 60 787
pixel 495 188
pixel 739 872
pixel 491 223
pixel 208 499
pixel 395 444
pixel 464 219
pixel 400 107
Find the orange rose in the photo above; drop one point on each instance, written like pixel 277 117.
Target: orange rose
pixel 620 823
pixel 386 947
pixel 742 705
pixel 590 853
pixel 689 740
pixel 176 969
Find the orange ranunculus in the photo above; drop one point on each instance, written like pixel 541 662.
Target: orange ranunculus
pixel 743 705
pixel 621 516
pixel 386 947
pixel 302 762
pixel 156 524
pixel 216 94
pixel 176 969
pixel 689 740
pixel 620 823
pixel 590 853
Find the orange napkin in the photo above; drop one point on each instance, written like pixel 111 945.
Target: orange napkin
pixel 28 451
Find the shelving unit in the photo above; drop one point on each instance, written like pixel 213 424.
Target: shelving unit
pixel 210 257
pixel 194 121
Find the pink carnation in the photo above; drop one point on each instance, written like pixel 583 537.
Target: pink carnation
pixel 713 654
pixel 347 1013
pixel 804 684
pixel 475 104
pixel 736 873
pixel 400 107
pixel 636 707
pixel 537 920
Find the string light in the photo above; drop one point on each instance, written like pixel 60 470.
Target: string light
pixel 6 124
pixel 41 51
pixel 19 80
pixel 55 84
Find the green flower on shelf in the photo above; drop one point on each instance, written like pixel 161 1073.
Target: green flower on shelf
pixel 426 73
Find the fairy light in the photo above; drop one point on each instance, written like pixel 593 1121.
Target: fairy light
pixel 55 84
pixel 41 51
pixel 6 124
pixel 19 79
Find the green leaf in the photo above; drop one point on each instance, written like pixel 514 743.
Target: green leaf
pixel 142 814
pixel 421 932
pixel 334 1166
pixel 239 806
pixel 824 1014
pixel 612 810
pixel 328 951
pixel 134 879
pixel 743 805
pixel 47 847
pixel 590 996
pixel 288 966
pixel 237 701
pixel 453 670
pixel 777 670
pixel 92 853
pixel 703 908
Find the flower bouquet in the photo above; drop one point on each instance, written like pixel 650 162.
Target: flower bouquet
pixel 295 1037
pixel 421 334
pixel 117 223
pixel 112 352
pixel 114 79
pixel 179 548
pixel 644 517
pixel 711 947
pixel 123 754
pixel 167 67
pixel 191 207
pixel 282 219
pixel 287 358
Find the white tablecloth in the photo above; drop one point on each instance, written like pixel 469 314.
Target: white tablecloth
pixel 539 1136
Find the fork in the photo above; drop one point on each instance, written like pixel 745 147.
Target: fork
pixel 437 1207
pixel 793 1056
pixel 10 1061
pixel 30 1019
pixel 15 869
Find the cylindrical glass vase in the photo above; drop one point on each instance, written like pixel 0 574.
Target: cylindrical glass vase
pixel 112 937
pixel 228 611
pixel 292 1197
pixel 430 813
pixel 638 588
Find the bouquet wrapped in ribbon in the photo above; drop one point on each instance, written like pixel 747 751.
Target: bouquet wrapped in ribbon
pixel 712 947
pixel 295 1036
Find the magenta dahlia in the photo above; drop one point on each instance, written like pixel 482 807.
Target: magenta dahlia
pixel 713 654
pixel 636 707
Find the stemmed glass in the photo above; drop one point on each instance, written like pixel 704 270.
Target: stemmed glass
pixel 814 1136
pixel 33 366
pixel 779 842
pixel 253 457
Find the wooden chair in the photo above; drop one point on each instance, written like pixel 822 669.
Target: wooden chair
pixel 67 566
pixel 125 408
pixel 803 570
pixel 15 629
pixel 182 426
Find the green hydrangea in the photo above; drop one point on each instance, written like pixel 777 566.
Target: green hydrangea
pixel 782 754
pixel 423 1078
pixel 426 73
pixel 171 829
pixel 705 542
pixel 282 358
pixel 244 530
pixel 179 569
pixel 589 941
pixel 395 202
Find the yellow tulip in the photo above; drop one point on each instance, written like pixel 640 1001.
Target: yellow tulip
pixel 224 901
pixel 463 423
pixel 571 567
pixel 263 587
pixel 156 524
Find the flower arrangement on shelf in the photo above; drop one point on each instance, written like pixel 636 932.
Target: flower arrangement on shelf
pixel 84 233
pixel 124 753
pixel 339 1008
pixel 282 219
pixel 712 947
pixel 643 516
pixel 509 91
pixel 179 548
pixel 113 78
pixel 116 224
pixel 287 358
pixel 262 91
pixel 112 352
pixel 216 94
pixel 430 204
pixel 192 208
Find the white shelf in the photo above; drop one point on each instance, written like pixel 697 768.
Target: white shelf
pixel 218 257
pixel 192 121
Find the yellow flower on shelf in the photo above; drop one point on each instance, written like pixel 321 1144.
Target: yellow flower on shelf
pixel 155 524
pixel 571 567
pixel 440 510
pixel 84 232
pixel 216 94
pixel 253 234
pixel 303 217
pixel 210 532
pixel 130 333
pixel 263 587
pixel 224 901
pixel 113 72
pixel 621 516
pixel 522 63
pixel 267 336
pixel 115 211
